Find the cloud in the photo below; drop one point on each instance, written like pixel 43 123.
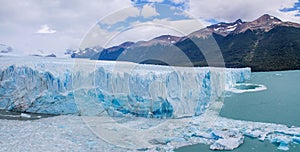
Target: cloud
pixel 149 31
pixel 20 19
pixel 148 11
pixel 97 37
pixel 159 1
pixel 45 29
pixel 138 31
pixel 180 1
pixel 182 27
pixel 182 4
pixel 121 15
pixel 245 9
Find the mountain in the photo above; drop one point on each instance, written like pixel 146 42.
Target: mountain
pixel 51 55
pixel 162 40
pixel 85 53
pixel 44 55
pixel 112 53
pixel 277 49
pixel 220 28
pixel 5 49
pixel 265 44
pixel 265 23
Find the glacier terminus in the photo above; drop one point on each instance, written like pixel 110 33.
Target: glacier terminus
pixel 82 87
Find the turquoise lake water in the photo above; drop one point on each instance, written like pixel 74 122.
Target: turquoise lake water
pixel 280 104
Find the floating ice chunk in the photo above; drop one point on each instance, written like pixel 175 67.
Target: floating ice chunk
pixel 296 139
pixel 24 115
pixel 281 139
pixel 247 87
pixel 253 133
pixel 226 139
pixel 227 144
pixel 283 146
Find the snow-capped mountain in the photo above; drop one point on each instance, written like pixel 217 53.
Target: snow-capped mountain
pixel 83 53
pixel 220 28
pixel 264 44
pixel 265 23
pixel 41 53
pixel 44 55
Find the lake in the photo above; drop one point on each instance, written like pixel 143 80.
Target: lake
pixel 280 104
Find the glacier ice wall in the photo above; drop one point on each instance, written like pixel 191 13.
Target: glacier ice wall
pixel 57 86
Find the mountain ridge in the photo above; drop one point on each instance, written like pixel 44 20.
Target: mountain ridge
pixel 265 22
pixel 241 44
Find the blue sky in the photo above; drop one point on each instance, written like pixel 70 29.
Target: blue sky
pixel 295 7
pixel 163 10
pixel 182 4
pixel 53 26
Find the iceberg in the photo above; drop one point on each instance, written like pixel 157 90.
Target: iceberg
pixel 246 87
pixel 84 87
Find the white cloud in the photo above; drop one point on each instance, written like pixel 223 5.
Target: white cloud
pixel 155 1
pixel 149 11
pixel 143 31
pixel 45 29
pixel 97 37
pixel 121 15
pixel 245 9
pixel 18 19
pixel 148 31
pixel 180 1
pixel 184 27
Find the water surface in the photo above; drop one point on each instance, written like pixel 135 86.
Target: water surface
pixel 280 104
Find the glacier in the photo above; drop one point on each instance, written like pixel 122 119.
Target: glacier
pixel 84 87
pixel 122 89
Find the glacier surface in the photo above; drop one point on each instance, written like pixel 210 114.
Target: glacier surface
pixel 83 87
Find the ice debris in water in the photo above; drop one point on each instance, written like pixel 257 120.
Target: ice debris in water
pixel 71 134
pixel 24 115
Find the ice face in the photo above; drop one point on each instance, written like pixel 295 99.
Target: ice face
pixel 66 86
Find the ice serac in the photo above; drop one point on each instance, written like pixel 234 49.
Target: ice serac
pixel 56 86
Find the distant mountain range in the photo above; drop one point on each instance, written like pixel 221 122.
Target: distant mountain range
pixel 5 49
pixel 85 53
pixel 45 55
pixel 265 44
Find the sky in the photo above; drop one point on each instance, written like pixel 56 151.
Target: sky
pixel 52 26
